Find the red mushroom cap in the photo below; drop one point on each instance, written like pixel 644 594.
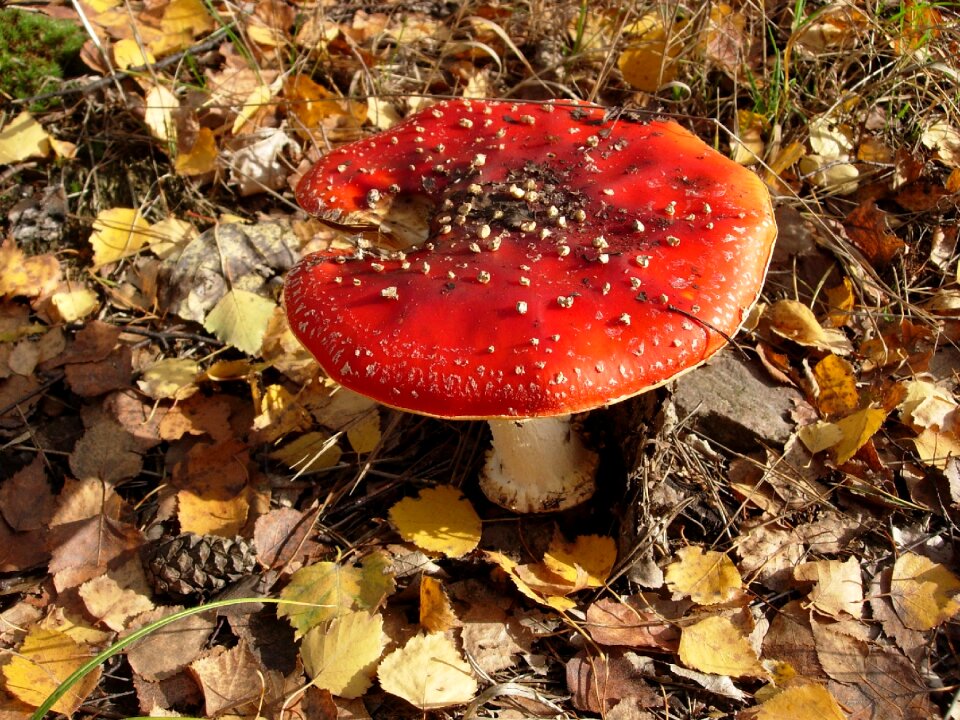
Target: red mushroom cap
pixel 569 259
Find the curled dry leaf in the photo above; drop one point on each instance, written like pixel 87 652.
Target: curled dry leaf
pixel 795 321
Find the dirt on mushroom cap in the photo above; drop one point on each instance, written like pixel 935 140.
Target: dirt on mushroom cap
pixel 566 259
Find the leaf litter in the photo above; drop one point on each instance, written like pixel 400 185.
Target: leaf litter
pixel 156 412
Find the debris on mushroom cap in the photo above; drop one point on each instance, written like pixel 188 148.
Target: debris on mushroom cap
pixel 567 259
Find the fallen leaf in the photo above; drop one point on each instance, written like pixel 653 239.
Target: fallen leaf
pixel 364 435
pixel 846 436
pixel 41 663
pixel 112 603
pixel 597 682
pixel 715 645
pixel 309 453
pixel 584 563
pixel 428 672
pixel 170 379
pixel 638 621
pixel 161 105
pixel 795 321
pixel 75 304
pixel 439 520
pixel 240 319
pixel 341 656
pixel 836 386
pixel 923 592
pixel 20 275
pixel 838 589
pixel 164 653
pixel 807 701
pixel 436 612
pixel 867 229
pixel 118 233
pixel 230 679
pixel 318 593
pixel 200 157
pixel 23 138
pixel 649 60
pixel 944 138
pixel 707 578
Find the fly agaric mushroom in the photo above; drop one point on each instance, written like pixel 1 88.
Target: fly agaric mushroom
pixel 533 260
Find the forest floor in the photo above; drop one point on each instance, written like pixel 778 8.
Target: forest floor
pixel 773 536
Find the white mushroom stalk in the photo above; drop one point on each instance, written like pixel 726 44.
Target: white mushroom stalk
pixel 539 465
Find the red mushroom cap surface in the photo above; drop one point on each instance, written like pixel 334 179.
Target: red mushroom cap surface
pixel 568 259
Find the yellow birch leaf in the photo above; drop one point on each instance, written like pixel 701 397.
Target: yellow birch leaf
pixel 364 435
pixel 536 582
pixel 186 16
pixel 280 413
pixel 801 702
pixel 837 386
pixel 212 514
pixel 376 580
pixel 117 233
pixel 341 656
pixel 309 453
pixel 127 53
pixel 23 138
pixel 923 592
pixel 202 156
pixel 715 645
pixel 838 591
pixel 428 672
pixel 747 149
pixel 439 520
pixel 436 612
pixel 28 276
pixel 240 319
pixel 72 305
pixel 169 235
pixel 45 659
pixel 857 429
pixel 318 593
pixel 255 100
pixel 158 116
pixel 707 577
pixel 586 562
pixel 649 62
pixel 170 379
pixel 936 447
pixel 820 436
pixel 840 299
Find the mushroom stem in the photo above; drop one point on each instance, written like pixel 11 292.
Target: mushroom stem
pixel 538 465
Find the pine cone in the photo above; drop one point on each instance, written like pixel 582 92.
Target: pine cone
pixel 189 564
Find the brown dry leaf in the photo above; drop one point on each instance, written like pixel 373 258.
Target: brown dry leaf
pixel 281 534
pixel 164 652
pixel 838 589
pixel 937 448
pixel 649 60
pixel 536 581
pixel 867 229
pixel 715 645
pixel 707 578
pixel 795 321
pixel 837 27
pixel 923 592
pixel 944 138
pixel 230 679
pixel 913 643
pixel 85 549
pixel 341 656
pixel 491 637
pixel 769 553
pixel 836 386
pixel 428 672
pixel 26 499
pixel 790 639
pixel 20 275
pixel 436 612
pixel 83 499
pixel 639 621
pixel 41 663
pixel 724 40
pixel 598 682
pixel 927 405
pixel 439 520
pixel 113 603
pixel 805 701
